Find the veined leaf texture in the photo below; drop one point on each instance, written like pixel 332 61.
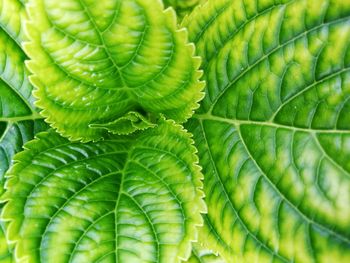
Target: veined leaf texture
pixel 110 201
pixel 183 7
pixel 18 116
pixel 273 131
pixel 95 61
pixel 19 120
pixel 118 180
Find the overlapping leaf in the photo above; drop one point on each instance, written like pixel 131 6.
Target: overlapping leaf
pixel 123 199
pixel 18 117
pixel 183 7
pixel 96 61
pixel 273 131
pixel 203 255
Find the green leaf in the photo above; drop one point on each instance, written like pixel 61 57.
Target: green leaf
pixel 183 7
pixel 131 122
pixel 18 117
pixel 124 199
pixel 16 101
pixel 12 137
pixel 273 132
pixel 94 62
pixel 5 252
pixel 203 255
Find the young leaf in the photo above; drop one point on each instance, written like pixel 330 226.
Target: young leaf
pixel 203 255
pixel 124 199
pixel 131 122
pixel 96 61
pixel 273 131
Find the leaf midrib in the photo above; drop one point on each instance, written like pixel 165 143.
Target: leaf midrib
pixel 237 122
pixel 33 117
pixel 100 34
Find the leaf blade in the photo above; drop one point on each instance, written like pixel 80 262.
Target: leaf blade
pixel 121 184
pixel 277 180
pixel 109 69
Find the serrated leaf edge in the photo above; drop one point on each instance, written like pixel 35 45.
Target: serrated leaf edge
pixel 182 33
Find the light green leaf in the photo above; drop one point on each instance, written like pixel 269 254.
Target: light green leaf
pixel 131 122
pixel 203 255
pixel 123 199
pixel 5 252
pixel 183 7
pixel 95 61
pixel 273 132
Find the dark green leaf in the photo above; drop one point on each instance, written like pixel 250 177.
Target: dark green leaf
pixel 273 131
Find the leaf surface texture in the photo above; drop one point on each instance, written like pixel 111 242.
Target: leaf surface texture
pixel 94 62
pixel 124 199
pixel 201 254
pixel 183 7
pixel 273 131
pixel 18 117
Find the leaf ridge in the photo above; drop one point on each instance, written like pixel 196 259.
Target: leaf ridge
pixel 71 256
pixel 156 184
pixel 86 9
pixel 248 231
pixel 340 20
pixel 285 199
pixel 153 95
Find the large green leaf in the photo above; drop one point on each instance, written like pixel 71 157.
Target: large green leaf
pixel 123 199
pixel 273 132
pixel 96 61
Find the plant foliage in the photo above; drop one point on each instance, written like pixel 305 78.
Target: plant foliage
pixel 19 120
pixel 105 201
pixel 117 177
pixel 95 62
pixel 183 7
pixel 273 132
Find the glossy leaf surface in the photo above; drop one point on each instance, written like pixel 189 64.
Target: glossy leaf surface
pixel 273 131
pixel 124 199
pixel 94 62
